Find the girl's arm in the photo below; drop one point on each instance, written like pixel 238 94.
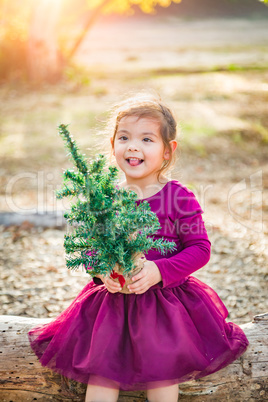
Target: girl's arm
pixel 195 245
pixel 172 271
pixel 192 234
pixel 186 221
pixel 175 269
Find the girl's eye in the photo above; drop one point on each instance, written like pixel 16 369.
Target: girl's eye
pixel 123 138
pixel 147 139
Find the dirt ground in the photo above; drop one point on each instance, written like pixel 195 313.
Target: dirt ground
pixel 214 75
pixel 150 43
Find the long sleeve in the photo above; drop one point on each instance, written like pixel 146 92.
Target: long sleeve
pixel 192 240
pixel 175 269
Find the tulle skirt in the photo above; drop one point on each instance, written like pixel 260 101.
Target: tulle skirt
pixel 135 342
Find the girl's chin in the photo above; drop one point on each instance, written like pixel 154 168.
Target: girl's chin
pixel 136 175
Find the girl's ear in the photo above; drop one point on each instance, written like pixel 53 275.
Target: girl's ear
pixel 173 145
pixel 112 144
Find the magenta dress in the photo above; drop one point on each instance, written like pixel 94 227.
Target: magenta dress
pixel 174 332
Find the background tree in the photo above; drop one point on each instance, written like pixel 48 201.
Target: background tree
pixel 44 61
pixel 30 32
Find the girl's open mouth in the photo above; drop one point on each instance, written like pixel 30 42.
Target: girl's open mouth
pixel 134 161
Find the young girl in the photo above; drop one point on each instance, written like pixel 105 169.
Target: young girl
pixel 171 328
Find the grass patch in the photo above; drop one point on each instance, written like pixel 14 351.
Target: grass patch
pixel 78 75
pixel 250 140
pixel 194 135
pixel 158 72
pixel 262 132
pixel 29 137
pixel 194 129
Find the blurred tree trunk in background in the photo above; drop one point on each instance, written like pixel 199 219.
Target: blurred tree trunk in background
pixel 88 24
pixel 44 60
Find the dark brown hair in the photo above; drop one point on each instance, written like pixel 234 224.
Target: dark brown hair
pixel 148 107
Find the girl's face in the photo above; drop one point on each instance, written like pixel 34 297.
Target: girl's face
pixel 139 149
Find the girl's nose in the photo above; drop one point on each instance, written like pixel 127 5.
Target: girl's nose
pixel 132 147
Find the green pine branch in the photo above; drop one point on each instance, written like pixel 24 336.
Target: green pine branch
pixel 77 157
pixel 108 226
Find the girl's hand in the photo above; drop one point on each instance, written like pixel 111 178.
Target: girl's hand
pixel 111 286
pixel 149 276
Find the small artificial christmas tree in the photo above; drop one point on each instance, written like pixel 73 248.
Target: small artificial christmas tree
pixel 110 230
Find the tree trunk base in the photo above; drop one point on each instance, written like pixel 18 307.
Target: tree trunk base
pixel 24 379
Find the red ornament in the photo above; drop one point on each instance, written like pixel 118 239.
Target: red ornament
pixel 121 279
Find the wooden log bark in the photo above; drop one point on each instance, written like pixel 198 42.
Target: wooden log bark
pixel 22 378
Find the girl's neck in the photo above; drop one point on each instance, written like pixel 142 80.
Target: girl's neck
pixel 143 189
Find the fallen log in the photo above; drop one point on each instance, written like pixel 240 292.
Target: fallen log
pixel 50 219
pixel 24 379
